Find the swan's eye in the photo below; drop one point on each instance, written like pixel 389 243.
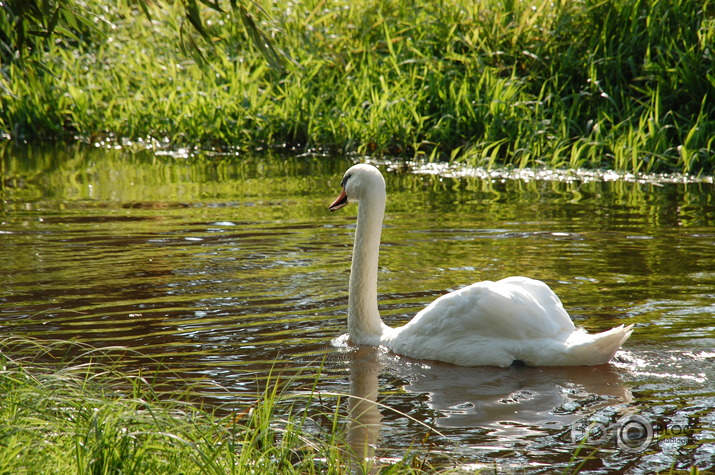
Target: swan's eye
pixel 345 180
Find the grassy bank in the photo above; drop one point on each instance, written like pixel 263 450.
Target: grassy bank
pixel 620 84
pixel 87 414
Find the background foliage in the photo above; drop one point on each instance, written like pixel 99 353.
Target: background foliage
pixel 617 83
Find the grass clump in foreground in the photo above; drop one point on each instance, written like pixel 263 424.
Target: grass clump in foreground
pixel 614 84
pixel 93 417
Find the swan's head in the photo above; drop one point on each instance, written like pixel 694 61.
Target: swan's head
pixel 359 182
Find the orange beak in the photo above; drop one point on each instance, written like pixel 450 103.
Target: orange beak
pixel 340 201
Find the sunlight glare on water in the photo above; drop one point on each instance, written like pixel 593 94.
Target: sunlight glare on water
pixel 228 269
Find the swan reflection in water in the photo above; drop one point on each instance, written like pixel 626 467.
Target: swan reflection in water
pixel 365 418
pixel 504 406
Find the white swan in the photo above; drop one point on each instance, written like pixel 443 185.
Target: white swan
pixel 516 319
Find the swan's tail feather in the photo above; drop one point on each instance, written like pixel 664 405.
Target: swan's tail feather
pixel 599 348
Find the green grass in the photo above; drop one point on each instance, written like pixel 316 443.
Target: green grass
pixel 620 84
pixel 85 414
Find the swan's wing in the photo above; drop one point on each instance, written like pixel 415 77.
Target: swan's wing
pixel 496 323
pixel 516 308
pixel 549 306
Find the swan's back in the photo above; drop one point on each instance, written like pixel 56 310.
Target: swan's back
pixel 497 323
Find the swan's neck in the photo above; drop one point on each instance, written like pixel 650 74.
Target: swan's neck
pixel 365 326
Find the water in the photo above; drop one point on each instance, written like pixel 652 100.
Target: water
pixel 220 270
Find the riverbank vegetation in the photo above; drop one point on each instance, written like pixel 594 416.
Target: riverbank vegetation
pixel 602 84
pixel 87 414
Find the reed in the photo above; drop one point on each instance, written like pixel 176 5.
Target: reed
pixel 617 84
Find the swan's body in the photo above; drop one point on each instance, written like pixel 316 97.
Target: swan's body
pixel 484 324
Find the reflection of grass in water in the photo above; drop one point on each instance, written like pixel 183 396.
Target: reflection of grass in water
pixel 618 84
pixel 86 414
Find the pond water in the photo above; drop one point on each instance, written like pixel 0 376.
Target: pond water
pixel 229 269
